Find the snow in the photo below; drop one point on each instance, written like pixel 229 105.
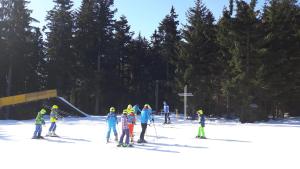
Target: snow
pixel 82 144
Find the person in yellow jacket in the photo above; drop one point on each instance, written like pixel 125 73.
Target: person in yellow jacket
pixel 53 118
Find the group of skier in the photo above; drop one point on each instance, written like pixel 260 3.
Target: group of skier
pixel 39 121
pixel 128 120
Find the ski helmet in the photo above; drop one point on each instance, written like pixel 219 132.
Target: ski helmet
pixel 112 109
pixel 54 107
pixel 43 111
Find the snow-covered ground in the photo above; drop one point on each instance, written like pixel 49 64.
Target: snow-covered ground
pixel 82 144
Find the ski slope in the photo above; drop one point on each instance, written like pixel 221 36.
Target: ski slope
pixel 82 144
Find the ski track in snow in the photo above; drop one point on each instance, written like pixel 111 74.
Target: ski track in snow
pixel 82 144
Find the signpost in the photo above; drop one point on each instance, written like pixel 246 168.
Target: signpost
pixel 185 95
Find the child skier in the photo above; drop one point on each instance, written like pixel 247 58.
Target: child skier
pixel 131 123
pixel 39 121
pixel 112 121
pixel 125 131
pixel 53 118
pixel 201 133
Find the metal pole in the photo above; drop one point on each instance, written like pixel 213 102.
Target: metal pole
pixel 185 101
pixel 156 96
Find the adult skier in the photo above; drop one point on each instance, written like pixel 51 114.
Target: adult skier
pixel 136 109
pixel 146 115
pixel 112 122
pixel 39 121
pixel 201 132
pixel 167 113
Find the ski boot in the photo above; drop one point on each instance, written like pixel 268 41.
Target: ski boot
pixel 40 137
pixel 116 138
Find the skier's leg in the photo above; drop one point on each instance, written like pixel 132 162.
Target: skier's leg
pixel 108 133
pixel 166 116
pixel 54 128
pixel 122 137
pixel 35 133
pixel 143 132
pixel 127 136
pixel 115 132
pixel 39 130
pixel 202 132
pixel 199 131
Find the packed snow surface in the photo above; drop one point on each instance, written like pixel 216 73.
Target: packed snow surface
pixel 82 144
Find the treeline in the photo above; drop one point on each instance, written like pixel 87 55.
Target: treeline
pixel 246 64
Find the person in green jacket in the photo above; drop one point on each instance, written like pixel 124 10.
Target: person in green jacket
pixel 39 121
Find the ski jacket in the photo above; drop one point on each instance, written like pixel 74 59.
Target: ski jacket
pixel 124 121
pixel 112 119
pixel 131 118
pixel 39 120
pixel 136 109
pixel 202 120
pixel 53 116
pixel 146 115
pixel 166 108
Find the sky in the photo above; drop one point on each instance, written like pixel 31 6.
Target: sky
pixel 143 16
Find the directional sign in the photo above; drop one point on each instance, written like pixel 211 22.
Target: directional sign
pixel 185 94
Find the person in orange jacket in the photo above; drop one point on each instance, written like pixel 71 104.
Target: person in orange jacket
pixel 131 121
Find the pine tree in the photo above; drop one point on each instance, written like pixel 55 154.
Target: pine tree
pixel 170 38
pixel 281 56
pixel 60 52
pixel 243 58
pixel 122 41
pixel 200 53
pixel 86 49
pixel 106 60
pixel 16 40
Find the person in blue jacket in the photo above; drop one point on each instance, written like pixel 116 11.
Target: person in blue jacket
pixel 167 113
pixel 136 109
pixel 112 122
pixel 146 115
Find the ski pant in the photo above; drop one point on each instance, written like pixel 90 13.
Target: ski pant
pixel 144 127
pixel 124 132
pixel 38 130
pixel 52 126
pixel 131 126
pixel 201 132
pixel 114 130
pixel 167 118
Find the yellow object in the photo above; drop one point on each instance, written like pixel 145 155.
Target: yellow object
pixel 200 112
pixel 43 111
pixel 54 107
pixel 129 109
pixel 29 97
pixel 112 109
